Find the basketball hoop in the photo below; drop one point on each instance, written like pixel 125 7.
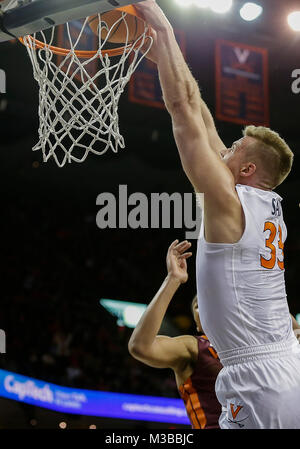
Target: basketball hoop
pixel 79 110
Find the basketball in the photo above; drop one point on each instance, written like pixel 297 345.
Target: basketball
pixel 131 26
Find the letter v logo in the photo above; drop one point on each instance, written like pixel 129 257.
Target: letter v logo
pixel 242 56
pixel 236 411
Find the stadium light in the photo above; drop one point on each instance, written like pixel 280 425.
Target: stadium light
pixel 294 20
pixel 220 6
pixel 127 313
pixel 250 11
pixel 132 315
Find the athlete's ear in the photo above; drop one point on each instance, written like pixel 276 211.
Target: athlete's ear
pixel 248 169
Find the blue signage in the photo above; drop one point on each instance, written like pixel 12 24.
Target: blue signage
pixel 88 402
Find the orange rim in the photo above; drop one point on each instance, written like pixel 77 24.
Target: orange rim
pixel 84 54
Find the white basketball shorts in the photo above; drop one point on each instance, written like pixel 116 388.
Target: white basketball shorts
pixel 259 387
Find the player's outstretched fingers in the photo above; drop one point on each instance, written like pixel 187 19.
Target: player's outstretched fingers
pixel 183 246
pixel 173 244
pixel 185 255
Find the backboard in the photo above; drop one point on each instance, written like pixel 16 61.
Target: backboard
pixel 22 17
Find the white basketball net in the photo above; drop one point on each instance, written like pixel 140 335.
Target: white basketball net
pixel 81 117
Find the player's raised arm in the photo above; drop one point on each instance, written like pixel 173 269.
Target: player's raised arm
pixel 182 97
pixel 145 344
pixel 215 142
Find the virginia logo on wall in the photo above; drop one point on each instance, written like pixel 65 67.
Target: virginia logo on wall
pixel 242 91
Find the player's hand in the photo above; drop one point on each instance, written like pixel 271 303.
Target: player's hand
pixel 152 53
pixel 153 15
pixel 176 260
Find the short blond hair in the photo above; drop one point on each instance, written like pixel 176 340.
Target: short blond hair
pixel 276 155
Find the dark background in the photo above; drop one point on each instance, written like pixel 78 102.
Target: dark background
pixel 56 264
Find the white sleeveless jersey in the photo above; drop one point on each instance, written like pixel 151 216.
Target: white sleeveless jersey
pixel 241 287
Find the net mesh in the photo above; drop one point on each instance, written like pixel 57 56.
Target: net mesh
pixel 78 109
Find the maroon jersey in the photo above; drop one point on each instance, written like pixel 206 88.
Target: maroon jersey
pixel 198 391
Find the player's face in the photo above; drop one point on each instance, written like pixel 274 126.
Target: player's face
pixel 231 153
pixel 232 157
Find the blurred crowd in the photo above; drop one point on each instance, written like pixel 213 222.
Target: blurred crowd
pixel 54 276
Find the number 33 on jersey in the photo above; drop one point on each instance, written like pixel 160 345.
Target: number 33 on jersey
pixel 274 243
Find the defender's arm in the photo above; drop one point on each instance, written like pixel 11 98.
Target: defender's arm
pixel 144 344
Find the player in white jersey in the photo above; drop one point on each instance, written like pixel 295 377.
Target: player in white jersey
pixel 240 260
